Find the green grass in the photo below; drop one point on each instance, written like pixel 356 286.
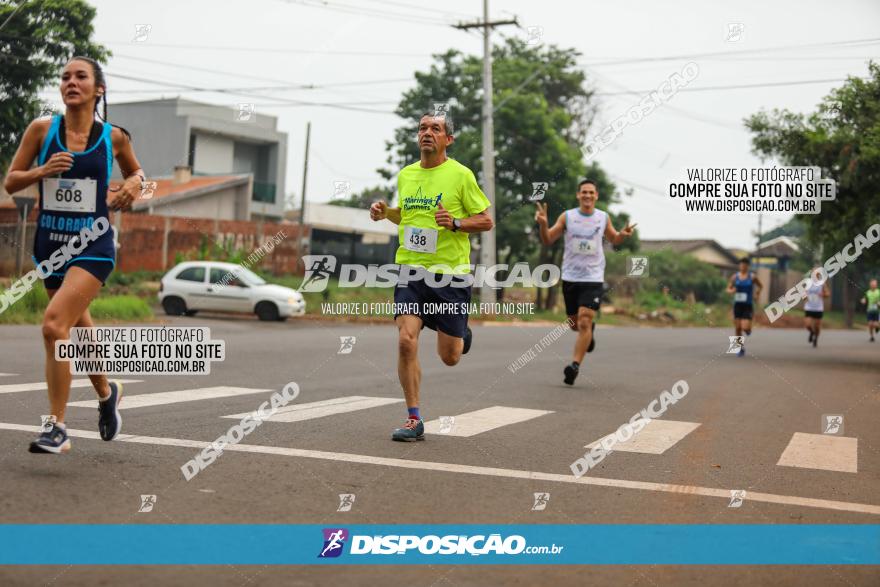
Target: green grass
pixel 32 306
pixel 120 308
pixel 27 310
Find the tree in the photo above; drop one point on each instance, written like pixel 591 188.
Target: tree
pixel 542 114
pixel 842 138
pixel 684 275
pixel 36 40
pixel 365 198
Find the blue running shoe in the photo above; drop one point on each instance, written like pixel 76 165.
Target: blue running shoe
pixel 742 352
pixel 412 430
pixel 53 439
pixel 109 418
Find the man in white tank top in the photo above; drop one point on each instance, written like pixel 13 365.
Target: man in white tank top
pixel 814 307
pixel 583 264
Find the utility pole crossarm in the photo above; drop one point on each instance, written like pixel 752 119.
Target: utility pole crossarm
pixel 480 24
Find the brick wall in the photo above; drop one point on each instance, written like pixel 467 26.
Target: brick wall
pixel 151 243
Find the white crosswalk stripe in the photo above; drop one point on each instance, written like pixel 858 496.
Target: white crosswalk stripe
pixel 821 451
pixel 321 409
pixel 144 400
pixel 655 438
pixel 479 421
pixel 19 387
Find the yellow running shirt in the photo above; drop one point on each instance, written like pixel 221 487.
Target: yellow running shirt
pixel 420 190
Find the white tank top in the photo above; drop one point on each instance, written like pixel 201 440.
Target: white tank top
pixel 814 302
pixel 584 259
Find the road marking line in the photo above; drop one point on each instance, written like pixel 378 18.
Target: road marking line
pixel 479 421
pixel 655 438
pixel 320 409
pixel 8 374
pixel 821 451
pixel 143 400
pixel 476 470
pixel 17 387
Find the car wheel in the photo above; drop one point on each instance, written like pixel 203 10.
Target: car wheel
pixel 267 311
pixel 174 306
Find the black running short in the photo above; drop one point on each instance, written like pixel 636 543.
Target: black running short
pixel 101 270
pixel 441 308
pixel 813 314
pixel 742 311
pixel 581 293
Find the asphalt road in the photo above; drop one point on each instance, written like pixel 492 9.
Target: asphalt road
pixel 741 415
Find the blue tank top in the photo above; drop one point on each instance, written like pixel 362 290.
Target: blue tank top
pixel 743 287
pixel 62 216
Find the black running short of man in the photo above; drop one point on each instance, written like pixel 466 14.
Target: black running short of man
pixel 418 298
pixel 742 311
pixel 581 293
pixel 813 314
pixel 873 315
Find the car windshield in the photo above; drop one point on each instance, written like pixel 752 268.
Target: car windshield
pixel 248 276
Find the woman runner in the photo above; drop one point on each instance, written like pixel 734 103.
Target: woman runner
pixel 74 247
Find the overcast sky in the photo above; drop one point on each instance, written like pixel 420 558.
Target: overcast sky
pixel 365 53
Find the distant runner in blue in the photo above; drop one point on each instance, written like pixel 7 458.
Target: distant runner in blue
pixel 742 285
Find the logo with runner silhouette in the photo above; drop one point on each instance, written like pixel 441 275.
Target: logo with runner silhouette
pixel 736 498
pixel 246 112
pixel 346 345
pixel 441 109
pixel 534 34
pixel 147 503
pixel 832 424
pixel 46 423
pixel 334 542
pixel 346 501
pixel 736 345
pixel 637 266
pixel 141 32
pixel 541 501
pixel 319 268
pixel 447 423
pixel 539 190
pixel 735 32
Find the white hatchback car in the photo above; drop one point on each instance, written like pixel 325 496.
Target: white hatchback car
pixel 226 287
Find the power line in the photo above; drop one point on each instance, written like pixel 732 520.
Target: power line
pixel 854 42
pixel 288 86
pixel 734 87
pixel 357 10
pixel 673 109
pixel 239 49
pixel 421 8
pixel 175 85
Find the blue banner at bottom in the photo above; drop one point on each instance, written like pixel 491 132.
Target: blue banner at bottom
pixel 437 544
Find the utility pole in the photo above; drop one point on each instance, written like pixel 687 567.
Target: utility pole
pixel 760 233
pixel 487 239
pixel 302 206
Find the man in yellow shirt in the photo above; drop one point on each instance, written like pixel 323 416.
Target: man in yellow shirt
pixel 440 204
